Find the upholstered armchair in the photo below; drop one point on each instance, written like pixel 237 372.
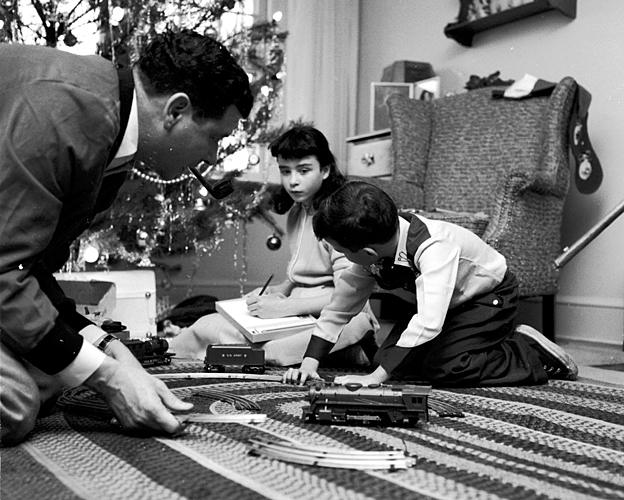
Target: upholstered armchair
pixel 498 166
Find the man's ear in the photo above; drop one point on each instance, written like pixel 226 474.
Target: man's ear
pixel 176 106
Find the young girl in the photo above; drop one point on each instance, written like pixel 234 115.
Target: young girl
pixel 308 173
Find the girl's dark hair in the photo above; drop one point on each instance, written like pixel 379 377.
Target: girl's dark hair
pixel 356 215
pixel 298 142
pixel 200 66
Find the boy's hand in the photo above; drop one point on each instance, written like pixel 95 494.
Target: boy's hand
pixel 307 370
pixel 379 376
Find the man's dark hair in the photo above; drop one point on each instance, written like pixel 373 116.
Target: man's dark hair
pixel 200 66
pixel 296 143
pixel 356 215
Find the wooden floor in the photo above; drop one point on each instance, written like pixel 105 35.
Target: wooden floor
pixel 604 363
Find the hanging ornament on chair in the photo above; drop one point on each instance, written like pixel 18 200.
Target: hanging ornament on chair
pixel 274 242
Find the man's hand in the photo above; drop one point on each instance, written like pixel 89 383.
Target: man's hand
pixel 138 400
pixel 267 306
pixel 307 370
pixel 379 376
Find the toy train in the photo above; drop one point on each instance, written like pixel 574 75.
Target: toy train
pixel 151 351
pixel 354 404
pixel 238 356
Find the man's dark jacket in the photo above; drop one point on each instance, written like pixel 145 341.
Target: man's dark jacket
pixel 59 121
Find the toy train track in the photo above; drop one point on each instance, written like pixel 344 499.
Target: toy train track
pixel 204 375
pixel 295 452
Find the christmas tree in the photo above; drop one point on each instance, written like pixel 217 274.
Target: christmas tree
pixel 153 217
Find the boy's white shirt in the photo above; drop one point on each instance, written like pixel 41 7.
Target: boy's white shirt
pixel 448 278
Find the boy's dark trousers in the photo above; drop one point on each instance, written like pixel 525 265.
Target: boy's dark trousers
pixel 477 345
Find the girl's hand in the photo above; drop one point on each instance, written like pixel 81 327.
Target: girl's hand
pixel 307 370
pixel 267 306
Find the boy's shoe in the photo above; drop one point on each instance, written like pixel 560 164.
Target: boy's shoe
pixel 557 363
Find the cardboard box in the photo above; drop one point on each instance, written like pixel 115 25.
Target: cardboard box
pixel 135 302
pixel 407 71
pixel 94 299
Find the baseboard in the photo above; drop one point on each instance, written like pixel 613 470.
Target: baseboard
pixel 598 320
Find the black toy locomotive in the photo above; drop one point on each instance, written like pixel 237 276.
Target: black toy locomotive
pixel 372 405
pixel 238 356
pixel 151 351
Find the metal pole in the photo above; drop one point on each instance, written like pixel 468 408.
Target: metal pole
pixel 589 236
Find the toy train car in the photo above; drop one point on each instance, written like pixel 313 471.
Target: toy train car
pixel 354 404
pixel 238 356
pixel 149 352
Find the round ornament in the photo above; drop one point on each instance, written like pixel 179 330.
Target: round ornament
pixel 273 242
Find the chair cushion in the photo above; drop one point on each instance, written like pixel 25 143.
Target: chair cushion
pixel 476 143
pixel 475 222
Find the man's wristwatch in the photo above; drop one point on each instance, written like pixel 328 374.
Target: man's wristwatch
pixel 105 340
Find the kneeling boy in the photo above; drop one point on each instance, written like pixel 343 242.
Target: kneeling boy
pixel 463 328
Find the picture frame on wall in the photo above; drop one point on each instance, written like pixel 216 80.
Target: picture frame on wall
pixel 379 93
pixel 426 90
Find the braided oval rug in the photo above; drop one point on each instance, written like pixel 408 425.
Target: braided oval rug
pixel 562 440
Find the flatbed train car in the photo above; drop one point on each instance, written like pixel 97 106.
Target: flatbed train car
pixel 404 405
pixel 242 357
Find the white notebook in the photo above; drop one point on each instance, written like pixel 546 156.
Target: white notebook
pixel 261 329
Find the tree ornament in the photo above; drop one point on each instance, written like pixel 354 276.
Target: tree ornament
pixel 69 39
pixel 91 254
pixel 274 242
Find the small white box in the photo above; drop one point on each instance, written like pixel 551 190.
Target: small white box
pixel 135 304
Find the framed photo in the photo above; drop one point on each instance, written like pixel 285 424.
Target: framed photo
pixel 426 90
pixel 380 91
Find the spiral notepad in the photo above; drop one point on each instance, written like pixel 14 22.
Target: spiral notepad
pixel 261 329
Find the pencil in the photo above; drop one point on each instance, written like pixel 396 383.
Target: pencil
pixel 266 285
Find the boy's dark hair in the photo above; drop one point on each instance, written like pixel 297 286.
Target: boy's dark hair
pixel 200 66
pixel 298 142
pixel 356 215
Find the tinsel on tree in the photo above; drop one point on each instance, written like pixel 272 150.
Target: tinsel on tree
pixel 151 217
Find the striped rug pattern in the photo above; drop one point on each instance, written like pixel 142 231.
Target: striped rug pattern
pixel 562 440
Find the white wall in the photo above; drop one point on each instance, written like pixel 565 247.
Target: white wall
pixel 589 48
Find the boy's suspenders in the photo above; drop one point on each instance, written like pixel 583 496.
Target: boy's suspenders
pixel 391 276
